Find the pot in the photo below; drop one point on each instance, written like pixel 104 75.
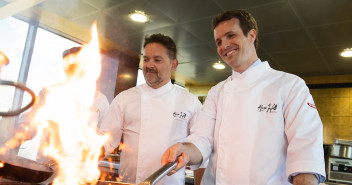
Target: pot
pixel 340 150
pixel 24 170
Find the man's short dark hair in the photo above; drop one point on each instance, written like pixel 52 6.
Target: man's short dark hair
pixel 247 21
pixel 70 51
pixel 164 40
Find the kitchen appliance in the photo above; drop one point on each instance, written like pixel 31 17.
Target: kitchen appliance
pixel 340 170
pixel 339 167
pixel 16 168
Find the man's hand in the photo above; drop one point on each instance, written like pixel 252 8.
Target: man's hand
pixel 305 179
pixel 186 153
pixel 172 153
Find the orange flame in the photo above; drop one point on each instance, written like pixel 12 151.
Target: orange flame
pixel 3 60
pixel 121 146
pixel 1 164
pixel 73 141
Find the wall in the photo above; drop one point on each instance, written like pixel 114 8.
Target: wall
pixel 334 105
pixel 335 109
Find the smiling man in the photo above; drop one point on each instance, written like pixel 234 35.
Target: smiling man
pixel 260 125
pixel 151 117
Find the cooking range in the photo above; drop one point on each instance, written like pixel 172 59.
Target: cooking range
pixel 339 167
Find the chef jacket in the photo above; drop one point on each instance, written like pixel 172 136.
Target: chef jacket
pixel 151 120
pixel 259 127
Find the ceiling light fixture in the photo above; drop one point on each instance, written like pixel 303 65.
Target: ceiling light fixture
pixel 346 52
pixel 139 16
pixel 218 65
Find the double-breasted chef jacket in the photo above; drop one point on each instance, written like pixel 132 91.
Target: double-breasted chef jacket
pixel 259 127
pixel 150 120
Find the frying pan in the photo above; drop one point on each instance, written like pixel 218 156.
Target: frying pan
pixel 151 180
pixel 21 169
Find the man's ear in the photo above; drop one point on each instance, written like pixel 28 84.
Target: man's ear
pixel 174 64
pixel 252 35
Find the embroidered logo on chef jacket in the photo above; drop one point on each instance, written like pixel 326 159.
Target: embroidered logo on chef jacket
pixel 311 105
pixel 270 108
pixel 180 115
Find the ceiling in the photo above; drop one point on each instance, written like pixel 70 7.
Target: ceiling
pixel 303 37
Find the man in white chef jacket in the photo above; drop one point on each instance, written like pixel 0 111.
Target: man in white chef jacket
pixel 151 117
pixel 260 125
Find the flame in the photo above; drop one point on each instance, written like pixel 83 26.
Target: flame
pixel 1 164
pixel 3 60
pixel 121 146
pixel 71 136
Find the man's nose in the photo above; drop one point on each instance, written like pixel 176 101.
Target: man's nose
pixel 149 65
pixel 226 44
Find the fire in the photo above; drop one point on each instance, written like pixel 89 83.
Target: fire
pixel 121 146
pixel 1 164
pixel 73 141
pixel 3 60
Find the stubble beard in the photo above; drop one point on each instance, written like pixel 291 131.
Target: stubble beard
pixel 153 80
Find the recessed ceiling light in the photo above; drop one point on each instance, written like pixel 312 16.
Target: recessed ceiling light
pixel 346 52
pixel 218 65
pixel 139 16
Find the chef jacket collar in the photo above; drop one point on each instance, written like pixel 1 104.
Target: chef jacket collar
pixel 237 74
pixel 155 92
pixel 255 69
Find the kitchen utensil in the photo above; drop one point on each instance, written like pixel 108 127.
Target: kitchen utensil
pixel 24 170
pixel 151 180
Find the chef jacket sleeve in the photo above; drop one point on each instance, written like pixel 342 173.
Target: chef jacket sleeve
pixel 304 132
pixel 111 124
pixel 103 107
pixel 196 109
pixel 201 134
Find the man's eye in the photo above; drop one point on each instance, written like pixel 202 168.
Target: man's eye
pixel 218 43
pixel 145 60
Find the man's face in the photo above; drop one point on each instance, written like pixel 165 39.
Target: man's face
pixel 157 66
pixel 236 49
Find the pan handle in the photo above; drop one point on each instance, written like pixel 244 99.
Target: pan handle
pixel 156 176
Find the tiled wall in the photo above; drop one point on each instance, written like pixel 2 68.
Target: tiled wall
pixel 335 109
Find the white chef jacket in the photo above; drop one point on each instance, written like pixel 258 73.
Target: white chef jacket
pixel 151 120
pixel 258 128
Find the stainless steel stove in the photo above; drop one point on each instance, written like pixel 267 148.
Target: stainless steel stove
pixel 340 170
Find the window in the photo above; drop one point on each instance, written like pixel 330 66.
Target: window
pixel 13 36
pixel 140 77
pixel 45 69
pixel 46 65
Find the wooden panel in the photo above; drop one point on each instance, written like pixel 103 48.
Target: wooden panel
pixel 335 110
pixel 127 71
pixel 16 7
